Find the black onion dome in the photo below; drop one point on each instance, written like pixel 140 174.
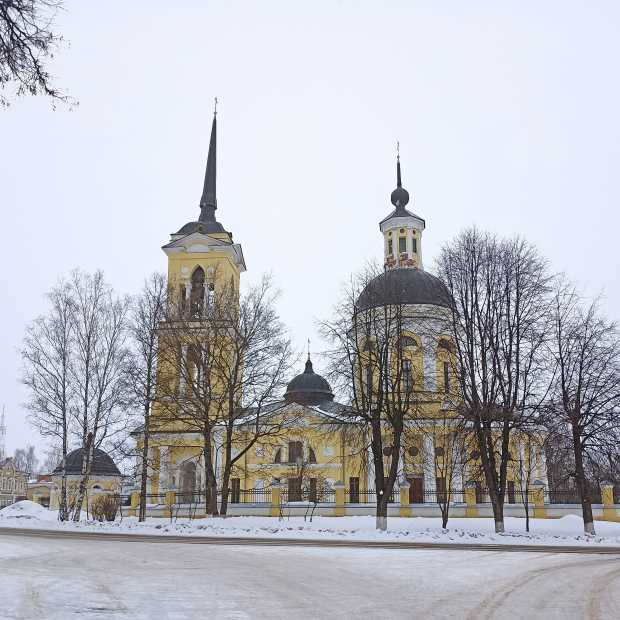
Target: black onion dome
pixel 102 465
pixel 400 197
pixel 404 285
pixel 308 388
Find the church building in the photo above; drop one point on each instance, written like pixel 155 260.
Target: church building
pixel 320 445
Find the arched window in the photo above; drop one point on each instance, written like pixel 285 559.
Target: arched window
pixel 369 383
pixel 195 370
pixel 311 456
pixel 407 342
pixel 446 377
pixel 445 345
pixel 198 292
pixel 278 456
pixel 407 376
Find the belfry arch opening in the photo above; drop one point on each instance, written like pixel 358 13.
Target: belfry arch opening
pixel 197 293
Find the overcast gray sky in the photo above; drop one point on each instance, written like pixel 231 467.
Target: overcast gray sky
pixel 507 116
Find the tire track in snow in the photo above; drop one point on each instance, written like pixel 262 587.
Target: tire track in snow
pixel 492 606
pixel 601 591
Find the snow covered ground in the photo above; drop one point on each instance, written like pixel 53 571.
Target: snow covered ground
pixel 565 531
pixel 61 578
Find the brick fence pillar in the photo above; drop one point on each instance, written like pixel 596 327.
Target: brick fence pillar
pixel 135 503
pixel 470 499
pixel 276 499
pixel 538 495
pixel 609 508
pixel 405 506
pixel 339 508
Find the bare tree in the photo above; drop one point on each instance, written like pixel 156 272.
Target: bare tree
pixel 375 361
pixel 25 459
pixel 47 357
pixel 188 392
pixel 499 290
pixel 527 463
pixel 27 41
pixel 585 406
pixel 99 371
pixel 223 361
pixel 253 366
pixel 147 313
pixel 53 456
pixel 446 463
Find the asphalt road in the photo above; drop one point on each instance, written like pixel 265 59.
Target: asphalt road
pixel 102 577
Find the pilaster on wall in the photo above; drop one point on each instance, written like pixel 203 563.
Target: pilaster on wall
pixel 430 363
pixel 153 471
pixel 430 484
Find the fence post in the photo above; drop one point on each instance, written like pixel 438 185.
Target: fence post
pixel 339 508
pixel 470 499
pixel 169 501
pixel 276 499
pixel 538 495
pixel 135 502
pixel 609 508
pixel 405 506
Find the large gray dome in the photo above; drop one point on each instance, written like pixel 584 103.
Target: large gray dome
pixel 102 465
pixel 404 285
pixel 308 388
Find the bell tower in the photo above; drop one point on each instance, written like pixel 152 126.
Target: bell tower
pixel 202 255
pixel 402 230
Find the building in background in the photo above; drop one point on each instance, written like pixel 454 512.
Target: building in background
pixel 13 483
pixel 105 478
pixel 40 490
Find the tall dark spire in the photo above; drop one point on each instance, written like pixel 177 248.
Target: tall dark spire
pixel 208 202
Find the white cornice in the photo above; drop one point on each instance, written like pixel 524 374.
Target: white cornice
pixel 402 222
pixel 199 243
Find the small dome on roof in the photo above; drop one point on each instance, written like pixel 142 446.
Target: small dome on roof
pixel 102 465
pixel 308 388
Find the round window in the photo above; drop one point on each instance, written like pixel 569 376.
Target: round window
pixel 413 451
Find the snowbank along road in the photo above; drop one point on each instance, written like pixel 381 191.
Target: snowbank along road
pixel 61 578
